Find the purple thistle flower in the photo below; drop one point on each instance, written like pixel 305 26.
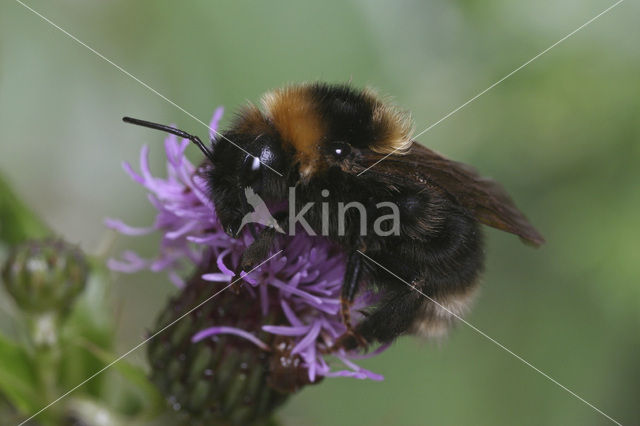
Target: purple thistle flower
pixel 303 282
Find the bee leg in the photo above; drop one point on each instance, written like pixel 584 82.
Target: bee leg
pixel 393 317
pixel 350 339
pixel 257 252
pixel 236 282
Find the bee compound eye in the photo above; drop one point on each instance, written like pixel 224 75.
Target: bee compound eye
pixel 268 154
pixel 250 169
pixel 339 149
pixel 255 164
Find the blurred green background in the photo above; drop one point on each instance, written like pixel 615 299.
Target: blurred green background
pixel 563 135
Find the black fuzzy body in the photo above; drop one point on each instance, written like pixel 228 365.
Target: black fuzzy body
pixel 439 246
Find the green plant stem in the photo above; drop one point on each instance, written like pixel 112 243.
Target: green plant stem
pixel 48 362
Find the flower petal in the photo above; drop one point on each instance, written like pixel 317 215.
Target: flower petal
pixel 212 331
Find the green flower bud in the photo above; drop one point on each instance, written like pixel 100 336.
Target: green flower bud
pixel 45 276
pixel 219 380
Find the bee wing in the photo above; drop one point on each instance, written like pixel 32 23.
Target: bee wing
pixel 484 198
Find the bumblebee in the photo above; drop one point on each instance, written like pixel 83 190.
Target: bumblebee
pixel 330 146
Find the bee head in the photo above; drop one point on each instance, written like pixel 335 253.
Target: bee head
pixel 303 131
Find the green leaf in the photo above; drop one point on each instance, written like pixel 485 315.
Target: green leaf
pixel 17 221
pixel 151 399
pixel 18 381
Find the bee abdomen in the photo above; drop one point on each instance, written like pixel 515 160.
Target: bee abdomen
pixel 437 315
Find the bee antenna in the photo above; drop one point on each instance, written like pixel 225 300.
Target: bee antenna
pixel 196 140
